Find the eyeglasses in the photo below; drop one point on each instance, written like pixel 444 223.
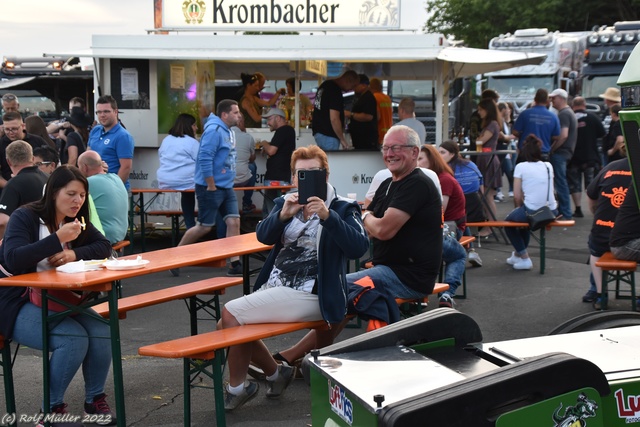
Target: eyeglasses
pixel 395 148
pixel 9 97
pixel 12 130
pixel 103 112
pixel 43 163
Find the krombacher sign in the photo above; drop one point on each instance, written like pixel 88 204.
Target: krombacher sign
pixel 280 15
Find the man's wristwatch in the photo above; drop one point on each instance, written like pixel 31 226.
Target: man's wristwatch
pixel 364 215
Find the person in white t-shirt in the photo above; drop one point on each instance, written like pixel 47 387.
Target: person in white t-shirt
pixel 532 189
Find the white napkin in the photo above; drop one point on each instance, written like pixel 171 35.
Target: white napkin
pixel 76 267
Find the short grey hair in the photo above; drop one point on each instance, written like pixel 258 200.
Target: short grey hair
pixel 409 135
pixel 19 153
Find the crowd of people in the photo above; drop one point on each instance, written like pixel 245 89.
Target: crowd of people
pixel 414 214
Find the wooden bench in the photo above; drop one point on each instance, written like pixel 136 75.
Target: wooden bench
pixel 204 353
pixel 214 286
pixel 6 361
pixel 617 270
pixel 541 239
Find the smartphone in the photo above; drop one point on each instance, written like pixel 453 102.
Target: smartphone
pixel 312 183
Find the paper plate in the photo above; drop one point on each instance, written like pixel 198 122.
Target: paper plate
pixel 126 264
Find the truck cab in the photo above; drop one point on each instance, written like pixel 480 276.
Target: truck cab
pixel 561 68
pixel 608 48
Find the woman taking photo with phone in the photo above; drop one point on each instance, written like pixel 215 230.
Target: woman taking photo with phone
pixel 41 236
pixel 303 278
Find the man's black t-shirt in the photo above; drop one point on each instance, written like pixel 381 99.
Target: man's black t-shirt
pixel 279 165
pixel 26 187
pixel 615 130
pixel 328 97
pixel 74 139
pixel 415 252
pixel 609 188
pixel 627 225
pixel 364 135
pixel 33 140
pixel 589 130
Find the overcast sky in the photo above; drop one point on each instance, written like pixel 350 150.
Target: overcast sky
pixel 33 27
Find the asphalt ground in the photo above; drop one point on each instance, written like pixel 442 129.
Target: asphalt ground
pixel 507 304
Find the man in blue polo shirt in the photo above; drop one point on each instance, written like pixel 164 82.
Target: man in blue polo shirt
pixel 111 140
pixel 538 120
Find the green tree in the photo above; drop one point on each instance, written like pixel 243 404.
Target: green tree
pixel 477 21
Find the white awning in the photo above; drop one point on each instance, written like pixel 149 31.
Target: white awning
pixel 395 55
pixel 468 61
pixel 6 84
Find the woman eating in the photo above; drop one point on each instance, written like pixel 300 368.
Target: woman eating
pixel 41 236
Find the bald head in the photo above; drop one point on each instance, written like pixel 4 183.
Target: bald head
pixel 579 103
pixel 90 163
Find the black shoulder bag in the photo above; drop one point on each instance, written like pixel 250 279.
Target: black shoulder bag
pixel 544 215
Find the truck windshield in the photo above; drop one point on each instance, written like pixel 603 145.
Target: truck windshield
pixel 520 86
pixel 593 86
pixel 417 89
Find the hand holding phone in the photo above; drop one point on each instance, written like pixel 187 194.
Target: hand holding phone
pixel 312 182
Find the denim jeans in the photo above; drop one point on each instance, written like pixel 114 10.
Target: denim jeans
pixel 519 236
pixel 248 194
pixel 559 163
pixel 327 143
pixel 188 205
pixel 74 341
pixel 385 278
pixel 629 252
pixel 210 203
pixel 455 258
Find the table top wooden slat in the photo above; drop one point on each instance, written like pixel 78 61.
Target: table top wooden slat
pixel 160 260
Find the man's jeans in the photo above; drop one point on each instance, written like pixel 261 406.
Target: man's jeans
pixel 559 163
pixel 385 278
pixel 327 143
pixel 455 257
pixel 251 182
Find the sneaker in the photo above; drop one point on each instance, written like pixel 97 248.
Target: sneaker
pixel 286 374
pixel 523 264
pixel 445 301
pixel 233 401
pixel 474 259
pixel 99 412
pixel 499 197
pixel 590 296
pixel 578 213
pixel 511 194
pixel 59 417
pixel 513 259
pixel 235 271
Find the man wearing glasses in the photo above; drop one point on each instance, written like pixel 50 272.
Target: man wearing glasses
pixel 404 222
pixel 14 131
pixel 10 103
pixel 111 140
pixel 27 184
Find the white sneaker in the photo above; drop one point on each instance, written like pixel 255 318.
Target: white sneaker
pixel 474 259
pixel 499 196
pixel 511 194
pixel 523 264
pixel 513 259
